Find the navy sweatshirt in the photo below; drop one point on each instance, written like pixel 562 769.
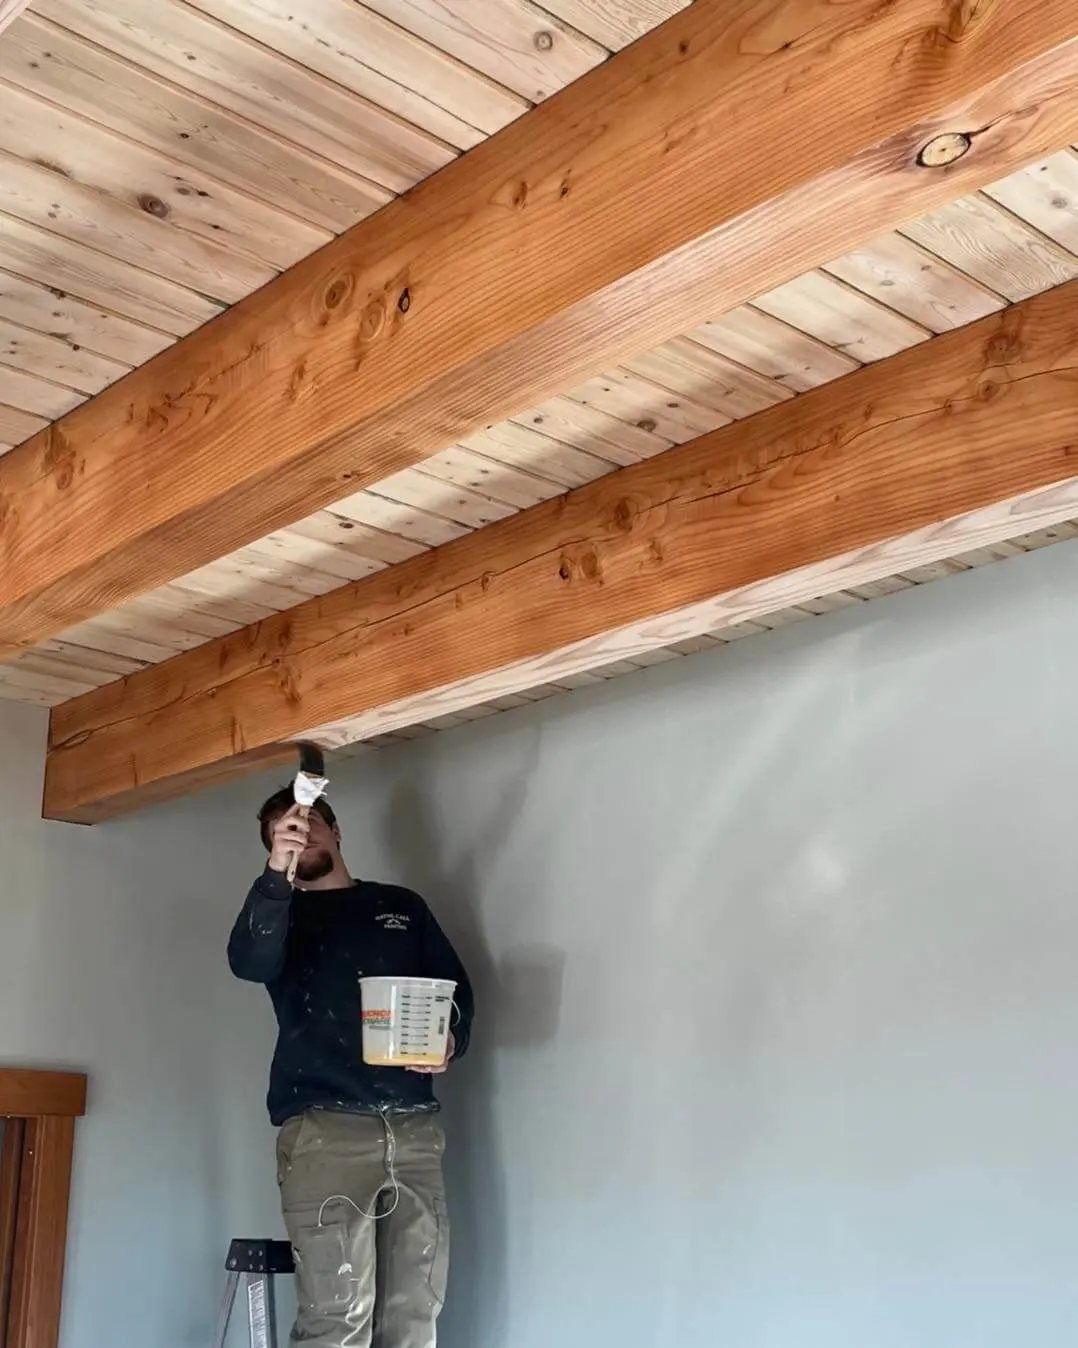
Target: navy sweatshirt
pixel 310 948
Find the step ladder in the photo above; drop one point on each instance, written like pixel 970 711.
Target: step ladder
pixel 254 1264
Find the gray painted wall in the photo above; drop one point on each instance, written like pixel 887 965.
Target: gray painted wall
pixel 777 957
pixel 776 952
pixel 111 962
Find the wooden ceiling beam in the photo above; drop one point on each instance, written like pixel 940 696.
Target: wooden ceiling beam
pixel 741 143
pixel 955 444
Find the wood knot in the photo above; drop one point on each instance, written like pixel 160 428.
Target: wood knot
pixel 647 424
pixel 565 570
pixel 373 320
pixel 623 515
pixel 589 566
pixel 520 194
pixel 336 291
pixel 1003 348
pixel 59 459
pixel 544 40
pixel 943 150
pixel 153 206
pixel 405 301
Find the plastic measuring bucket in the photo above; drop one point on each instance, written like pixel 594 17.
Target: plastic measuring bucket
pixel 405 1020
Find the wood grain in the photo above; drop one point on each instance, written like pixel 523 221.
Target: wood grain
pixel 16 425
pixel 949 446
pixel 514 43
pixel 48 310
pixel 41 1236
pixel 10 11
pixel 48 61
pixel 518 272
pixel 61 263
pixel 391 141
pixel 994 247
pixel 26 1091
pixel 380 60
pixel 24 349
pixel 614 23
pixel 11 1150
pixel 916 283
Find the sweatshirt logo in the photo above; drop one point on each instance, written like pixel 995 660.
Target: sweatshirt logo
pixel 393 921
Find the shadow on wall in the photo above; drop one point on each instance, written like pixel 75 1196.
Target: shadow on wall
pixel 518 1000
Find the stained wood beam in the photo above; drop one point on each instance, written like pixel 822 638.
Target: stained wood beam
pixel 955 444
pixel 739 144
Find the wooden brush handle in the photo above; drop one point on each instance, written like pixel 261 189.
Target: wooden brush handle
pixel 304 811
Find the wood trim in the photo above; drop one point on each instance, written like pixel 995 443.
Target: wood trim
pixel 957 443
pixel 41 1237
pixel 765 137
pixel 26 1092
pixel 11 1153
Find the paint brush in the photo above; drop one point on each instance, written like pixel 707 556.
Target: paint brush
pixel 310 783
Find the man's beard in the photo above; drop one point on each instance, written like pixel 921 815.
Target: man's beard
pixel 314 867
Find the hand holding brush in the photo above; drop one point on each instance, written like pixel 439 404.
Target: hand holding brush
pixel 310 783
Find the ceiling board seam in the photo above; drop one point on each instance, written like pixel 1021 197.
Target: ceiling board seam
pixel 168 163
pixel 35 225
pixel 481 75
pixel 168 160
pixel 213 21
pixel 873 302
pixel 950 267
pixel 795 331
pixel 41 379
pixel 1052 246
pixel 564 26
pixel 661 391
pixel 219 109
pixel 491 492
pixel 122 365
pixel 60 295
pixel 782 393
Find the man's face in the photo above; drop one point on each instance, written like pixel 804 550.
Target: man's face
pixel 321 853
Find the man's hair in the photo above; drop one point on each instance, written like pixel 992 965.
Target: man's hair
pixel 283 800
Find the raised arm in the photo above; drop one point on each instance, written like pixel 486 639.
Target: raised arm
pixel 259 940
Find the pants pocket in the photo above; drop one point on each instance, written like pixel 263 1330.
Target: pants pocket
pixel 325 1278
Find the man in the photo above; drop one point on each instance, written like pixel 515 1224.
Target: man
pixel 359 1149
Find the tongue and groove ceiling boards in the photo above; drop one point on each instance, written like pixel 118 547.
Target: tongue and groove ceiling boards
pixel 369 367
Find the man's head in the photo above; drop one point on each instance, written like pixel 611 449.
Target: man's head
pixel 322 852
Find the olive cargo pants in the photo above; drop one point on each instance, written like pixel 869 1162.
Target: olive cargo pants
pixel 362 1283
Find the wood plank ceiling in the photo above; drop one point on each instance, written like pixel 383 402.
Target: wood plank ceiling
pixel 160 159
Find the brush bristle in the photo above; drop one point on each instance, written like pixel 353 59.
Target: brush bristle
pixel 312 760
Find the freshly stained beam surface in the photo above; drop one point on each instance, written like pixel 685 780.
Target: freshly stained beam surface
pixel 949 446
pixel 529 265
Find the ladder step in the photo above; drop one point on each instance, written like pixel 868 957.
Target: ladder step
pixel 260 1256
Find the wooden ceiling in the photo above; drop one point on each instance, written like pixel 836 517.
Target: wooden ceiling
pixel 162 159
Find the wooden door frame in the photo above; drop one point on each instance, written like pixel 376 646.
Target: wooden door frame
pixel 39 1111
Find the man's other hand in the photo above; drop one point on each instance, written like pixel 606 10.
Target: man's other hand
pixel 288 838
pixel 450 1049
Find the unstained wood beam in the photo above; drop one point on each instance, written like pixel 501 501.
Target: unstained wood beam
pixel 954 444
pixel 741 143
pixel 10 11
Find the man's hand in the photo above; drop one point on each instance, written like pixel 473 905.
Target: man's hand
pixel 450 1049
pixel 288 838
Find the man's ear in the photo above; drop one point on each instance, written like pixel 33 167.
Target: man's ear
pixel 337 834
